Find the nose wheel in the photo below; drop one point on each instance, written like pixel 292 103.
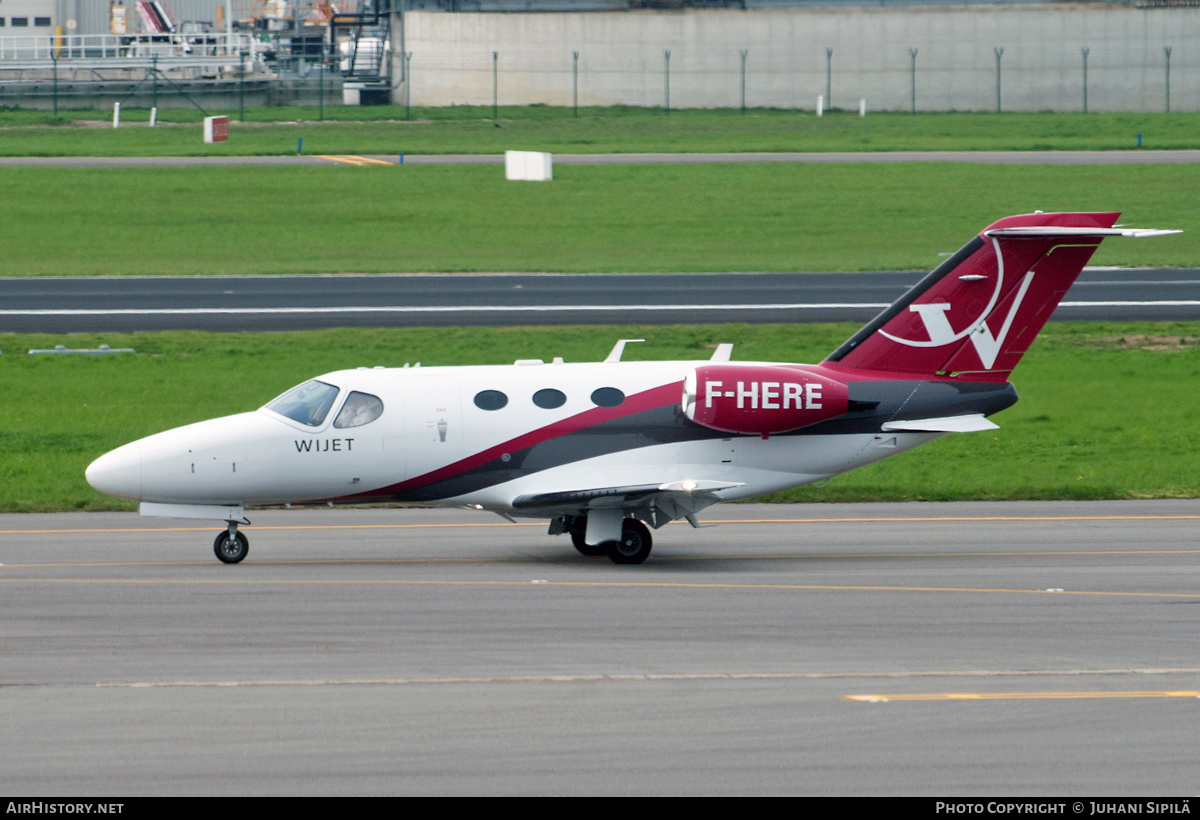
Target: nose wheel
pixel 231 546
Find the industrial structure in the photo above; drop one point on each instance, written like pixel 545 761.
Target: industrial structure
pixel 938 55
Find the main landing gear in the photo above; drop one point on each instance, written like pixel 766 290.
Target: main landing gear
pixel 632 548
pixel 231 546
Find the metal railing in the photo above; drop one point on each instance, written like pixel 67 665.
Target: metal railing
pixel 125 51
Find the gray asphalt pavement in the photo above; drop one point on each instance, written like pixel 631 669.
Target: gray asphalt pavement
pixel 74 304
pixel 977 649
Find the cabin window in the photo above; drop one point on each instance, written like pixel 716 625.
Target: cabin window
pixel 549 398
pixel 308 404
pixel 490 400
pixel 359 409
pixel 608 397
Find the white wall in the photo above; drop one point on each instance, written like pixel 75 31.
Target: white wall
pixel 621 58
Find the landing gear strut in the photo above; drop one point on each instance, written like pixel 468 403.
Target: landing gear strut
pixel 578 528
pixel 231 546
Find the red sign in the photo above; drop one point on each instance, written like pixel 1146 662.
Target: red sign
pixel 216 129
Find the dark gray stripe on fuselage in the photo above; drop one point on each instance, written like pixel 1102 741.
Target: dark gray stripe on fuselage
pixel 880 401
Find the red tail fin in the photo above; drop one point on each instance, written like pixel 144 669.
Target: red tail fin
pixel 979 311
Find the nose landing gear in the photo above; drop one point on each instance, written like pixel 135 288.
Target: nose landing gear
pixel 231 546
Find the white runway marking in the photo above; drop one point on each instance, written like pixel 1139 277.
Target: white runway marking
pixel 650 676
pixel 522 308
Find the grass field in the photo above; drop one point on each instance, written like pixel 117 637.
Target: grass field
pixel 471 130
pixel 709 217
pixel 1107 410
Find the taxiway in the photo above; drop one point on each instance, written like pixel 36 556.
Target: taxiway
pixel 939 649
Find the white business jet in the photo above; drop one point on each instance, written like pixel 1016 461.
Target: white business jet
pixel 608 450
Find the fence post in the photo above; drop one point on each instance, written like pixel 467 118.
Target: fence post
pixel 408 85
pixel 913 78
pixel 575 82
pixel 242 86
pixel 1084 51
pixel 54 57
pixel 1167 50
pixel 495 87
pixel 667 80
pixel 999 53
pixel 829 77
pixel 743 52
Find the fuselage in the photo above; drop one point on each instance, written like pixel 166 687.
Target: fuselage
pixel 487 435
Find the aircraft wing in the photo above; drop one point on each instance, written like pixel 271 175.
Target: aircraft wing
pixel 662 502
pixel 972 423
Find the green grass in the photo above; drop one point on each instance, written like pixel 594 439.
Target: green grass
pixel 471 130
pixel 1107 410
pixel 708 217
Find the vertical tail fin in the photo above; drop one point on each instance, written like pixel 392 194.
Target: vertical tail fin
pixel 980 310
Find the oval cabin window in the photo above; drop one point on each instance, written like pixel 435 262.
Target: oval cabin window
pixel 549 398
pixel 608 397
pixel 490 400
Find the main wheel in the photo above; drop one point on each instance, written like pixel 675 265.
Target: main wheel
pixel 231 550
pixel 634 546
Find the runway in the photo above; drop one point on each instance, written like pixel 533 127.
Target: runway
pixel 224 303
pixel 923 649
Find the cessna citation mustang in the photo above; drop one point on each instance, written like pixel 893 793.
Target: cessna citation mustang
pixel 608 450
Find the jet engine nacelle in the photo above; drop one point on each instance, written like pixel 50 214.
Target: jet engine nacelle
pixel 760 399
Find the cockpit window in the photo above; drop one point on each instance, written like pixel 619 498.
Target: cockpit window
pixel 359 409
pixel 308 404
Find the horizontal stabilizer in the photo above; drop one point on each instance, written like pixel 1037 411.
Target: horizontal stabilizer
pixel 1053 230
pixel 973 423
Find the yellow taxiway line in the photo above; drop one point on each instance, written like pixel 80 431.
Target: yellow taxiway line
pixel 401 582
pixel 927 696
pixel 351 159
pixel 864 520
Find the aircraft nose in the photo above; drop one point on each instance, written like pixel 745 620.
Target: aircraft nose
pixel 119 472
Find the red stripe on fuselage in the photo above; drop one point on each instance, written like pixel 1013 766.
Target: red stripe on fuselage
pixel 650 399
